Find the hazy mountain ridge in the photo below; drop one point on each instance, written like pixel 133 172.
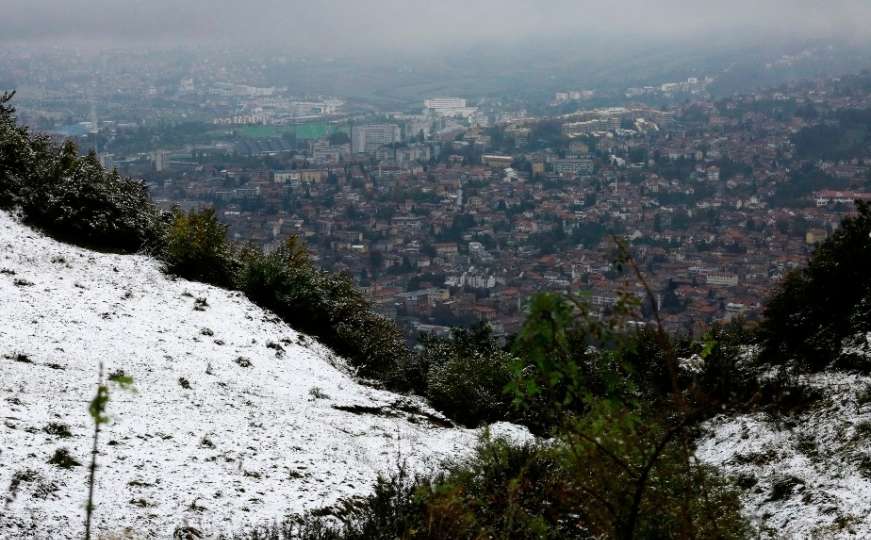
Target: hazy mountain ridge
pixel 234 417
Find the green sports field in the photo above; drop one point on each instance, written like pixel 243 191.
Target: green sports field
pixel 307 131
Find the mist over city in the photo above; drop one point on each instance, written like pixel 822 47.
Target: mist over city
pixel 346 28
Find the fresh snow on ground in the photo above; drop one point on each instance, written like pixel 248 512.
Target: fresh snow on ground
pixel 805 476
pixel 255 436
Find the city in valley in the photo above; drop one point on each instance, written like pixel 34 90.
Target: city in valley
pixel 451 210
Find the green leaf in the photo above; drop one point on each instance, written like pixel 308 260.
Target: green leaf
pixel 98 405
pixel 709 345
pixel 121 380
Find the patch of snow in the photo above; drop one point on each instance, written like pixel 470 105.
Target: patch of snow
pixel 858 345
pixel 808 476
pixel 694 364
pixel 234 417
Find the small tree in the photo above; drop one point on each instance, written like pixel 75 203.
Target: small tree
pixel 197 248
pixel 576 374
pixel 97 411
pixel 815 308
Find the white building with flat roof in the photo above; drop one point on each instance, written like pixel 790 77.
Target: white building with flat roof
pixel 449 106
pixel 445 103
pixel 371 137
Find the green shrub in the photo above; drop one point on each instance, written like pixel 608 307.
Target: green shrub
pixel 465 375
pixel 22 155
pixel 72 198
pixel 731 371
pixel 531 491
pixel 88 206
pixel 502 491
pixel 643 353
pixel 620 407
pixel 372 343
pixel 564 355
pixel 266 276
pixel 632 477
pixel 815 308
pixel 325 305
pixel 196 247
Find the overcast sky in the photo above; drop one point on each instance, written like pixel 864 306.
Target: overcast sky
pixel 361 26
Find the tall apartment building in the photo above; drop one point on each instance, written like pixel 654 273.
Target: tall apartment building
pixel 370 137
pixel 160 158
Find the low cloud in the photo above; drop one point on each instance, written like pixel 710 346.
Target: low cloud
pixel 350 27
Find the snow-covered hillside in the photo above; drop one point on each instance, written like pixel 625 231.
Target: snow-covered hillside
pixel 236 418
pixel 806 476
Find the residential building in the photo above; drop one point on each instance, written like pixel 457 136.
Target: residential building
pixel 368 138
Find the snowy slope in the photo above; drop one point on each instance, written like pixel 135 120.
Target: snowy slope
pixel 807 476
pixel 257 434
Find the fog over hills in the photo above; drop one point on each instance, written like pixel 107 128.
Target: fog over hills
pixel 345 28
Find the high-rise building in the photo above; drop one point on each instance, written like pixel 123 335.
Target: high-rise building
pixel 107 161
pixel 370 137
pixel 160 159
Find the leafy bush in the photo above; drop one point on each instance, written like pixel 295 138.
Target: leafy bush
pixel 817 307
pixel 265 276
pixel 72 198
pixel 325 305
pixel 20 154
pixel 196 247
pixel 464 375
pixel 633 478
pixel 371 342
pixel 392 511
pixel 86 205
pixel 727 375
pixel 620 405
pixel 530 491
pixel 731 371
pixel 564 355
pixel 643 353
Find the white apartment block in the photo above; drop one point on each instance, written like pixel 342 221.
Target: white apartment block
pixel 722 278
pixel 449 106
pixel 370 137
pixel 445 103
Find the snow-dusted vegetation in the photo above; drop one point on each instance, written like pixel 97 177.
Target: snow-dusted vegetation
pixel 234 418
pixel 807 475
